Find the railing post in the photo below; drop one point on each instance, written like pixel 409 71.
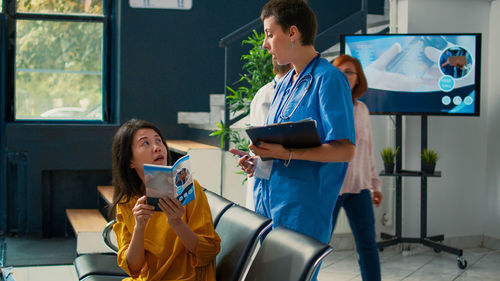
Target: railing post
pixel 364 9
pixel 226 105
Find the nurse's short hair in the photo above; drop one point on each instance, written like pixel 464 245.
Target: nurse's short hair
pixel 362 86
pixel 293 12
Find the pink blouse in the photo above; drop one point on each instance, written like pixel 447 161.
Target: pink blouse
pixel 361 173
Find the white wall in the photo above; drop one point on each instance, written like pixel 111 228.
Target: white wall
pixel 233 187
pixel 383 131
pixel 456 201
pixel 492 199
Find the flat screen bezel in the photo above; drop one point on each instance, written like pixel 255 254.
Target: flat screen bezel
pixel 477 78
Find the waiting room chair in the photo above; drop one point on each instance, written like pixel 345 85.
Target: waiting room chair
pixel 218 205
pixel 240 231
pixel 103 278
pixel 287 255
pixel 100 264
pixel 109 236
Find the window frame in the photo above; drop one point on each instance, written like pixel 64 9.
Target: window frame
pixel 9 18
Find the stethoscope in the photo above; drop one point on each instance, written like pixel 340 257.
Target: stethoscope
pixel 303 78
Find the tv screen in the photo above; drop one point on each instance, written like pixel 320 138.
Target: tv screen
pixel 417 74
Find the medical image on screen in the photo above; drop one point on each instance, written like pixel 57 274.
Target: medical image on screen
pixel 455 62
pixel 418 73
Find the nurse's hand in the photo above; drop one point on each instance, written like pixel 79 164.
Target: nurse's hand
pixel 270 150
pixel 246 162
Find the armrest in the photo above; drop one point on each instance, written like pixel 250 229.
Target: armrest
pixel 106 235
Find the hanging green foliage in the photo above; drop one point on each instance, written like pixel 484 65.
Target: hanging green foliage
pixel 258 68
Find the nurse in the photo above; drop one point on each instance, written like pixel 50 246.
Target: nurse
pixel 303 184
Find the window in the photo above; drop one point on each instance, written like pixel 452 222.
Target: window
pixel 59 62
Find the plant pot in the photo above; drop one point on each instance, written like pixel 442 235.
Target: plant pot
pixel 428 168
pixel 389 167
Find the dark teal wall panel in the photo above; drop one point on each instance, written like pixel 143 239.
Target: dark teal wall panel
pixel 164 61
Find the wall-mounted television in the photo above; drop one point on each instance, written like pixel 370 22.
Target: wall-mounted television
pixel 419 74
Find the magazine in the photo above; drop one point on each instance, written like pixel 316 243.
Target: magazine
pixel 169 181
pixel 6 274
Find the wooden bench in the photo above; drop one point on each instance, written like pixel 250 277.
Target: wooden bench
pixel 183 146
pixel 106 192
pixel 86 220
pixel 88 225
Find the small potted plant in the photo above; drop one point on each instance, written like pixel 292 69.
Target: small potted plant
pixel 388 155
pixel 429 159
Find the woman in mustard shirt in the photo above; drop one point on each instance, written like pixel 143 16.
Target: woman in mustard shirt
pixel 179 243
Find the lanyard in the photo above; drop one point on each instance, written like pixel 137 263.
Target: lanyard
pixel 303 78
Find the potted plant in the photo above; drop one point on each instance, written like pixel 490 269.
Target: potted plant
pixel 388 155
pixel 429 159
pixel 258 66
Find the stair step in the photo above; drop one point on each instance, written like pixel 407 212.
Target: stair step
pixel 198 118
pixel 106 192
pixel 88 225
pixel 183 146
pixel 86 220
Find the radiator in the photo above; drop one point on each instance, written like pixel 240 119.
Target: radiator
pixel 17 182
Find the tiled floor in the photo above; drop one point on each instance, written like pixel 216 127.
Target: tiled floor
pixel 418 264
pixel 45 273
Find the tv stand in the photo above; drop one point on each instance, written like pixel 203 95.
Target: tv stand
pixel 433 242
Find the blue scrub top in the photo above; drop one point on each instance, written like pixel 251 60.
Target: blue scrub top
pixel 302 196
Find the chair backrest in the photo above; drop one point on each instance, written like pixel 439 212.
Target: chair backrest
pixel 103 278
pixel 218 205
pixel 287 255
pixel 240 230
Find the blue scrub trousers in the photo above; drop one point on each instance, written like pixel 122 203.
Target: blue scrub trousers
pixel 359 210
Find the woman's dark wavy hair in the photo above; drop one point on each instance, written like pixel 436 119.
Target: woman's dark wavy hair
pixel 126 181
pixel 293 12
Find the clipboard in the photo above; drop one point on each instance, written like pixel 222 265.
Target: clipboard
pixel 301 134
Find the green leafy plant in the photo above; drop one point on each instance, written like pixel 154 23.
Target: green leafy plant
pixel 430 156
pixel 258 69
pixel 234 137
pixel 388 154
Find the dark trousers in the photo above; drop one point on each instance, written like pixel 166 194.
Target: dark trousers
pixel 359 210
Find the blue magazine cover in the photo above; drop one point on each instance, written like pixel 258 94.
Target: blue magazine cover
pixel 169 181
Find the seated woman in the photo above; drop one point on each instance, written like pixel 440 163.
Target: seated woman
pixel 179 243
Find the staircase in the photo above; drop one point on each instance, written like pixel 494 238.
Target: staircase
pixel 230 183
pixel 375 24
pixel 205 120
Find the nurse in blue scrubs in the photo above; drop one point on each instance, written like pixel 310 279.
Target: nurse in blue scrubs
pixel 304 184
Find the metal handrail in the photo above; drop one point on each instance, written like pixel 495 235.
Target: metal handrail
pixel 324 40
pixel 239 33
pixel 331 36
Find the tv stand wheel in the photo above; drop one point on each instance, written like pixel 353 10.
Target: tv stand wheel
pixel 436 250
pixel 461 263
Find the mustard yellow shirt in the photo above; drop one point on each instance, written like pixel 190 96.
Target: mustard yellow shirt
pixel 166 257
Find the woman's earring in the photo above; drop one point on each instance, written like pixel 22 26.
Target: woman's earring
pixel 291 44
